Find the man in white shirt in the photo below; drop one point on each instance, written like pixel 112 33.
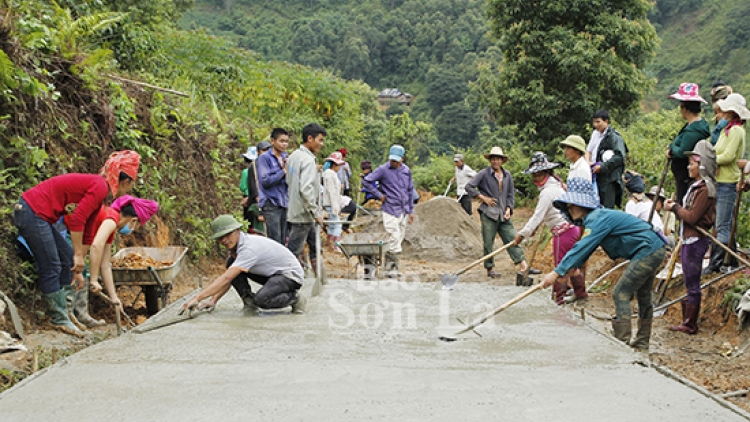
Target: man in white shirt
pixel 257 258
pixel 574 148
pixel 600 123
pixel 463 175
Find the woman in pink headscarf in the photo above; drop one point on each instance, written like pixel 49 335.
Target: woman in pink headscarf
pixel 126 214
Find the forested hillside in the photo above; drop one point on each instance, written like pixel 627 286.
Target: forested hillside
pixel 702 40
pixel 429 48
pixel 67 100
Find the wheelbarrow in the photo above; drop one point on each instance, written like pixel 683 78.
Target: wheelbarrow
pixel 155 283
pixel 366 252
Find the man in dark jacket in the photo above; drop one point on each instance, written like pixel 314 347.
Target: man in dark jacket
pixel 494 187
pixel 609 162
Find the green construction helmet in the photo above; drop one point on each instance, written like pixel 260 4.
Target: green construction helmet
pixel 223 225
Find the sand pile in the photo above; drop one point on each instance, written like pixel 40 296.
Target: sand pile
pixel 441 230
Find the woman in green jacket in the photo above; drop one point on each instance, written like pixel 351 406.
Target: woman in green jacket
pixel 695 129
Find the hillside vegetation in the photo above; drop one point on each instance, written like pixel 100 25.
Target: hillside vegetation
pixel 702 40
pixel 429 48
pixel 65 108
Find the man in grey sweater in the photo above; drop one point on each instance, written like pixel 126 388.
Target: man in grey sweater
pixel 304 192
pixel 494 187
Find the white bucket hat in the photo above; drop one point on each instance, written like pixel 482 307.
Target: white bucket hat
pixel 735 103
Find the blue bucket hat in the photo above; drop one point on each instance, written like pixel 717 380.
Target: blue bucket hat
pixel 580 192
pixel 396 153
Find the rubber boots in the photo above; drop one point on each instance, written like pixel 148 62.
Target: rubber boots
pixel 57 309
pixel 558 292
pixel 248 299
pixel 622 330
pixel 368 264
pixel 579 287
pixel 690 314
pixel 391 264
pixel 643 335
pixel 70 295
pixel 299 306
pixel 81 308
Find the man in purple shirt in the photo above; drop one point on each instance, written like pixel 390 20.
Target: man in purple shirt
pixel 273 195
pixel 395 193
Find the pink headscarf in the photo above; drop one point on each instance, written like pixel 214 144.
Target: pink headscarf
pixel 144 208
pixel 125 161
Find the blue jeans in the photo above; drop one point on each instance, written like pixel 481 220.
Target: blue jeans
pixel 333 229
pixel 726 195
pixel 275 220
pixel 53 256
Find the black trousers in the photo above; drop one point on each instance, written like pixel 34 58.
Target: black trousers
pixel 351 208
pixel 278 291
pixel 465 202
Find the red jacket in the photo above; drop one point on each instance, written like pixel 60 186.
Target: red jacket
pixel 77 194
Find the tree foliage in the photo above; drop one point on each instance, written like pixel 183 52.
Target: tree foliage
pixel 564 60
pixel 429 48
pixel 63 111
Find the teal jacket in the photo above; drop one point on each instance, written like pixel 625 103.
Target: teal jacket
pixel 689 135
pixel 621 235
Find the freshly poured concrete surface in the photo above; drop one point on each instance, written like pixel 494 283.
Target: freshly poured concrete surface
pixel 351 358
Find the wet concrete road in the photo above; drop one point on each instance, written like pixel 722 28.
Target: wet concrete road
pixel 362 353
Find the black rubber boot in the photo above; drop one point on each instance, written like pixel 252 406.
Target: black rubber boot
pixel 391 264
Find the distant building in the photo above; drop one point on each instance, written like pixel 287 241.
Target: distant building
pixel 392 96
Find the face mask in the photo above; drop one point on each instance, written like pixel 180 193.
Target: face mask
pixel 126 230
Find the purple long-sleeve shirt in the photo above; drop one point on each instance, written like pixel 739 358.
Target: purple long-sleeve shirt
pixel 395 184
pixel 272 180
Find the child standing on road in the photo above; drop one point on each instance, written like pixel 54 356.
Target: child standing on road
pixel 699 210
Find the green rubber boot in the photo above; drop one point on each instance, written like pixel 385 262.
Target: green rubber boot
pixel 81 308
pixel 643 335
pixel 57 309
pixel 622 330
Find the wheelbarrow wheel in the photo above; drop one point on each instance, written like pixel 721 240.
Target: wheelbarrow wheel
pixel 153 299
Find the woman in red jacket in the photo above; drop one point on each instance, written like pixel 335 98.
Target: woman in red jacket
pixel 79 196
pixel 124 216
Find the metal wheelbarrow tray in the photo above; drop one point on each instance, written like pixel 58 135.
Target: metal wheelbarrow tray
pixel 361 246
pixel 155 283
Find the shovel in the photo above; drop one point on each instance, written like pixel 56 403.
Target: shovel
pixel 723 246
pixel 661 183
pixel 448 188
pixel 318 264
pixel 15 318
pixel 488 315
pixel 450 280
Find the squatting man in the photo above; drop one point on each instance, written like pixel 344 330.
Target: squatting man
pixel 257 258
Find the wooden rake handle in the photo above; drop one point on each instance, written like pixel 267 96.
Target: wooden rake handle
pixel 484 258
pixel 723 246
pixel 503 307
